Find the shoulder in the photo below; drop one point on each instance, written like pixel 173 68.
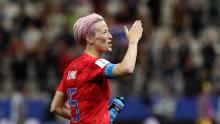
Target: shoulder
pixel 89 60
pixel 101 62
pixel 86 61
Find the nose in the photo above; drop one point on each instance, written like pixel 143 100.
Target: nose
pixel 109 36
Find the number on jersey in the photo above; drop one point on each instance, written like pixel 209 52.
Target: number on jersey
pixel 73 103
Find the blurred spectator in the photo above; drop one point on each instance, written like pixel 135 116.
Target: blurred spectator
pixel 184 50
pixel 18 112
pixel 216 77
pixel 4 38
pixel 64 56
pixel 151 120
pixel 179 12
pixel 196 13
pixel 56 19
pixel 168 62
pixel 155 11
pixel 4 41
pixel 204 105
pixel 217 116
pixel 32 121
pixel 165 106
pixel 1 74
pixel 31 36
pixel 132 8
pixel 1 50
pixel 83 7
pixel 213 11
pixel 143 69
pixel 123 15
pixel 40 59
pixel 99 6
pixel 209 56
pixel 191 78
pixel 67 36
pixel 19 63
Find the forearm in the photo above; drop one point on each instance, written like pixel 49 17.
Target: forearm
pixel 63 112
pixel 127 65
pixel 129 60
pixel 59 106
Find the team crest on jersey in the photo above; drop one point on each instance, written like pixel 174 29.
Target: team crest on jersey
pixel 71 75
pixel 101 63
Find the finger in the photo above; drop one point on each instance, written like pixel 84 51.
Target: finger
pixel 139 25
pixel 141 29
pixel 134 25
pixel 125 29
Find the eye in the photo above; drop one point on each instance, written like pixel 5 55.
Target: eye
pixel 105 32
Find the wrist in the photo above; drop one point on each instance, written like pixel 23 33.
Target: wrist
pixel 133 42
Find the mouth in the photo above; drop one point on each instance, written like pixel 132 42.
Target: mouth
pixel 110 44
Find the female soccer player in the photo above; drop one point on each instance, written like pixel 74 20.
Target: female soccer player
pixel 85 83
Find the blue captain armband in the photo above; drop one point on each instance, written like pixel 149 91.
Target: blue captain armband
pixel 108 70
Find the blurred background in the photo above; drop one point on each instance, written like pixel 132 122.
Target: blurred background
pixel 177 75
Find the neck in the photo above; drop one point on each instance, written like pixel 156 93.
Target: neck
pixel 92 52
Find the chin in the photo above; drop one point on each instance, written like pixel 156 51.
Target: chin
pixel 109 50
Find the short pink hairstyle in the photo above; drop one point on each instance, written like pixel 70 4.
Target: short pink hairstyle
pixel 84 26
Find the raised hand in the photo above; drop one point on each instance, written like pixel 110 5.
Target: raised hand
pixel 135 32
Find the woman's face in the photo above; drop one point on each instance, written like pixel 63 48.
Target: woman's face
pixel 102 37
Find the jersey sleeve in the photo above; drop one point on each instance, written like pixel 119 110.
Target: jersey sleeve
pixel 61 87
pixel 108 70
pixel 106 67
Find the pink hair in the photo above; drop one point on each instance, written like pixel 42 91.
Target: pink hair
pixel 83 26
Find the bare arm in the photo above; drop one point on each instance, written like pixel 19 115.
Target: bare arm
pixel 127 65
pixel 59 106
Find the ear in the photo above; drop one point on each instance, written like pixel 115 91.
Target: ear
pixel 89 39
